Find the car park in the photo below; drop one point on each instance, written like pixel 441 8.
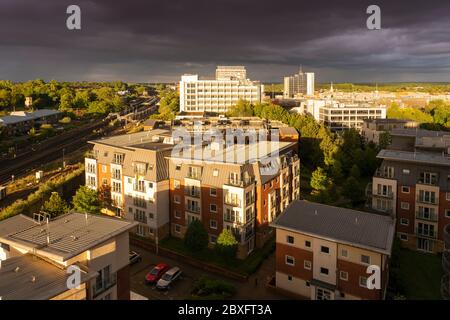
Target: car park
pixel 156 273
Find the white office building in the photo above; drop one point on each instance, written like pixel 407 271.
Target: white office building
pixel 299 84
pixel 340 115
pixel 218 95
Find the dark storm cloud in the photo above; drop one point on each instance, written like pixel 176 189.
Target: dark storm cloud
pixel 160 40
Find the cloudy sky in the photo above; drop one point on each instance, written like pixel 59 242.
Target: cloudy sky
pixel 153 41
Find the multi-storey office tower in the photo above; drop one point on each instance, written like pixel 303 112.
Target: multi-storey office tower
pixel 150 185
pixel 413 185
pixel 324 252
pixel 220 94
pixel 299 84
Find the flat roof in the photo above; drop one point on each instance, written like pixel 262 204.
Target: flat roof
pixel 356 228
pixel 28 277
pixel 67 235
pixel 14 223
pixel 20 116
pixel 417 157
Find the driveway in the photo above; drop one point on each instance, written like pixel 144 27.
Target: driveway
pixel 251 289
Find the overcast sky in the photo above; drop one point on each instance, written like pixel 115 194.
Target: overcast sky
pixel 153 41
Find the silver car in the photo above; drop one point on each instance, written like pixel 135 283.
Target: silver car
pixel 168 278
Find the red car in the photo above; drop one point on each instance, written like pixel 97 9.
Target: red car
pixel 156 273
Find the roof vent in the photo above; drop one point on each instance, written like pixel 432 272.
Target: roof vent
pixel 74 237
pixel 315 212
pixel 356 220
pixel 33 279
pixel 66 221
pixel 17 269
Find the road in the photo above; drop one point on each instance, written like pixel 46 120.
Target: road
pixel 182 288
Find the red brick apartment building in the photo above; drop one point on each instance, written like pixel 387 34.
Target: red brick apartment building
pixel 323 252
pixel 163 192
pixel 413 185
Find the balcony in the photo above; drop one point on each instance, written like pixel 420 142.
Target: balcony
pixel 426 234
pixel 241 183
pixel 194 175
pixel 445 287
pixel 388 194
pixel 192 192
pixel 91 155
pixel 426 216
pixel 232 202
pixel 139 188
pixel 142 219
pixel 383 174
pixel 429 200
pixel 193 209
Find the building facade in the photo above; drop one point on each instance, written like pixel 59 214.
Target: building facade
pixel 298 85
pixel 340 115
pixel 218 95
pixel 372 129
pixel 163 191
pixel 323 252
pixel 413 185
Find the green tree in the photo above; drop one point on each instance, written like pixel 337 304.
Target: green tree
pixel 86 200
pixel 353 190
pixel 55 205
pixel 320 180
pixel 226 244
pixel 196 237
pixel 243 108
pixel 355 172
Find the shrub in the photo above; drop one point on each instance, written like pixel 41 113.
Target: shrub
pixel 226 244
pixel 65 120
pixel 217 289
pixel 196 237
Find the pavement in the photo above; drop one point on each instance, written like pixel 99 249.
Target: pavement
pixel 181 289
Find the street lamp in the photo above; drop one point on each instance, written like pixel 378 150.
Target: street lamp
pixel 63 162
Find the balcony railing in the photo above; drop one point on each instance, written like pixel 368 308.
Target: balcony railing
pixel 139 188
pixel 229 219
pixel 138 218
pixel 388 194
pixel 192 192
pixel 241 183
pixel 426 216
pixel 194 175
pixel 193 209
pixel 428 182
pixel 383 174
pixel 430 200
pixel 233 202
pixel 91 155
pixel 428 234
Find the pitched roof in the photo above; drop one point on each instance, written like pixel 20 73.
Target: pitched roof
pixel 66 236
pixel 357 228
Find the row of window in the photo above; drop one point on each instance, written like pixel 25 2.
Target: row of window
pixel 343 275
pixel 324 249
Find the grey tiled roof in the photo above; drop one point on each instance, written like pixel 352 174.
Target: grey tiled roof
pixel 15 223
pixel 69 234
pixel 419 157
pixel 357 228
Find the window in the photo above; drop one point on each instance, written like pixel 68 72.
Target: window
pixel 290 239
pixel 405 171
pixel 307 283
pixel 116 187
pixel 177 228
pixel 176 198
pixel 363 282
pixel 178 167
pixel 404 222
pixel 365 259
pixel 151 215
pixel 324 249
pixel 290 260
pixel 213 224
pixel 215 173
pixel 403 237
pixel 404 205
pixel 343 275
pixel 344 253
pixel 428 178
pixel 405 189
pixel 324 271
pixel 104 169
pixel 212 239
pixel 177 214
pixel 308 244
pixel 213 207
pixel 307 264
pixel 427 196
pixel 91 181
pixel 289 278
pixel 104 181
pixel 447 213
pixel 213 192
pixel 447 196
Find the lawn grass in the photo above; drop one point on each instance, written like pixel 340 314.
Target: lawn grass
pixel 244 267
pixel 420 274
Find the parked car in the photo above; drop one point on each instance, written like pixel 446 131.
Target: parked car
pixel 135 257
pixel 156 273
pixel 168 278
